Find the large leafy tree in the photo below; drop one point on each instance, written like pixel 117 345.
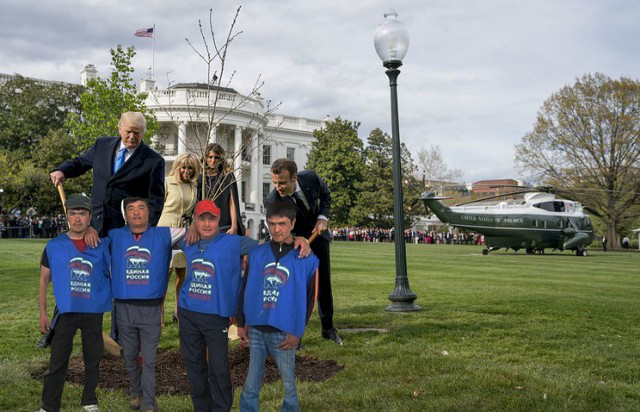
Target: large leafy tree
pixel 33 140
pixel 106 99
pixel 25 182
pixel 375 194
pixel 30 109
pixel 586 140
pixel 337 157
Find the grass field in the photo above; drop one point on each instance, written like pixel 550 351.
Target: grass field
pixel 501 332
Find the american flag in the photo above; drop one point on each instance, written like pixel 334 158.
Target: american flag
pixel 144 32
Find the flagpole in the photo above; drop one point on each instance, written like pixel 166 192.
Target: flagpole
pixel 153 54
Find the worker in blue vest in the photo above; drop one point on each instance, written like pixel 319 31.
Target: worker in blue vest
pixel 140 264
pixel 277 297
pixel 207 303
pixel 82 290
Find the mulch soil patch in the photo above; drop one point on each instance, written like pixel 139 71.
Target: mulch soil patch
pixel 171 377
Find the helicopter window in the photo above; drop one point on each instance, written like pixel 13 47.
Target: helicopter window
pixel 585 223
pixel 535 222
pixel 558 206
pixel 548 206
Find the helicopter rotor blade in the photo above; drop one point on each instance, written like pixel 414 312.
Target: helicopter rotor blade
pixel 493 197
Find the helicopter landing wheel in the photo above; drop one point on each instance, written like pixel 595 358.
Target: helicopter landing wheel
pixel 485 251
pixel 530 251
pixel 582 252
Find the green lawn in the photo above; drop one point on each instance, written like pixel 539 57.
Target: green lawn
pixel 500 332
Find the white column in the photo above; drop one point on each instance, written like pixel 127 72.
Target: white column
pixel 182 138
pixel 213 134
pixel 256 169
pixel 237 155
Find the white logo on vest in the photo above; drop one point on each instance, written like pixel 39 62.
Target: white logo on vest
pixel 202 272
pixel 137 270
pixel 275 277
pixel 79 274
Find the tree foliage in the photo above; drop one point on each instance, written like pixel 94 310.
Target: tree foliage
pixel 374 206
pixel 337 157
pixel 433 168
pixel 587 136
pixel 25 182
pixel 33 139
pixel 106 99
pixel 29 110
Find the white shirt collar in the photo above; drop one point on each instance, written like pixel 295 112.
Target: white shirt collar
pixel 129 151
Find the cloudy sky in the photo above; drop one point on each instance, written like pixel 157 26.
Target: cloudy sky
pixel 473 79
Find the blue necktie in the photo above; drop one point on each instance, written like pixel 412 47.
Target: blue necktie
pixel 120 159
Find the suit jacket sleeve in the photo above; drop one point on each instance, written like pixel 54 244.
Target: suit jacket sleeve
pixel 272 197
pixel 324 194
pixel 78 165
pixel 156 192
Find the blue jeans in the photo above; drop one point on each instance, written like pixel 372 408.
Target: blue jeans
pixel 261 345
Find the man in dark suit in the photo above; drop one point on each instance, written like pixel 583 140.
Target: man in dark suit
pixel 122 167
pixel 312 198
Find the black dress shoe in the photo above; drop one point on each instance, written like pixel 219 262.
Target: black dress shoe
pixel 332 334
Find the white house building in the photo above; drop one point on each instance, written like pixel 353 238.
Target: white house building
pixel 190 115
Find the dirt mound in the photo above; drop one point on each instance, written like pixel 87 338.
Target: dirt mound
pixel 171 377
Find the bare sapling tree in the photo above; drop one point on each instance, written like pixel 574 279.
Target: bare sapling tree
pixel 433 169
pixel 209 106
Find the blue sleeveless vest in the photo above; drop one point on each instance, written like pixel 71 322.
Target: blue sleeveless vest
pixel 276 295
pixel 212 284
pixel 140 269
pixel 80 280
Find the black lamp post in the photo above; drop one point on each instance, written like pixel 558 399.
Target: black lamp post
pixel 391 41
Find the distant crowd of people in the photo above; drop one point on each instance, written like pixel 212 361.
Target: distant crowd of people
pixel 15 225
pixel 359 234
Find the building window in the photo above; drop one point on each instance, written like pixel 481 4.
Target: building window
pixel 266 188
pixel 243 191
pixel 291 152
pixel 266 155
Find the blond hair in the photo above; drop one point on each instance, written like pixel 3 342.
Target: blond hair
pixel 133 117
pixel 188 159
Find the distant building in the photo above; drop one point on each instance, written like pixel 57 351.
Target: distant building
pixel 6 77
pixel 495 187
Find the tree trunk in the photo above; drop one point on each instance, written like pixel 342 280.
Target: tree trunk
pixel 613 240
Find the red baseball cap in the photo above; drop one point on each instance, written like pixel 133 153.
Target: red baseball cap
pixel 206 206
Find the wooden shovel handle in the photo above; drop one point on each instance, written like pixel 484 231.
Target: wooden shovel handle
pixel 313 236
pixel 63 197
